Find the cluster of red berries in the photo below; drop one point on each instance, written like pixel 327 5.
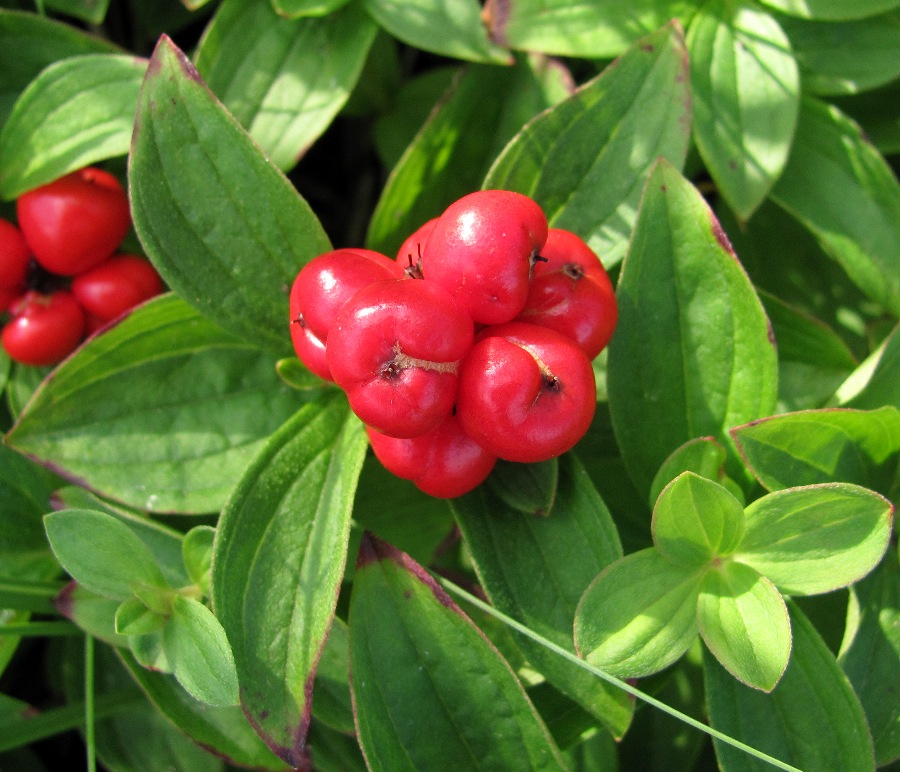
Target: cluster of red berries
pixel 59 277
pixel 474 344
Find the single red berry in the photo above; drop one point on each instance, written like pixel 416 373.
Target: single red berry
pixel 395 348
pixel 7 296
pixel 444 463
pixel 75 222
pixel 44 329
pixel 571 293
pixel 319 292
pixel 14 257
pixel 481 251
pixel 116 285
pixel 526 393
pixel 409 256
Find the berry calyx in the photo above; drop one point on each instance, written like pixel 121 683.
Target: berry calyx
pixel 115 286
pixel 44 329
pixel 409 256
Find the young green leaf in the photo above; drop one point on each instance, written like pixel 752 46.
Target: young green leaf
pixel 133 617
pixel 149 650
pixel 586 160
pixel 197 551
pixel 639 615
pixel 696 521
pixel 101 552
pixel 882 378
pixel 76 112
pixel 283 79
pixel 280 551
pixel 745 624
pixel 703 456
pixel 417 661
pixel 816 538
pixel 230 236
pixel 296 375
pixel 693 354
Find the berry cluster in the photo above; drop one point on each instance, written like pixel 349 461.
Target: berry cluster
pixel 474 344
pixel 59 277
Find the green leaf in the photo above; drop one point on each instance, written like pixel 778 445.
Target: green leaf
pixel 230 236
pixel 95 614
pixel 197 552
pixel 639 615
pixel 161 411
pixel 444 162
pixel 845 57
pixel 872 110
pixel 746 90
pixel 149 650
pixel 585 160
pixel 696 521
pixel 279 558
pixel 75 113
pixel 811 720
pixel 452 28
pixel 692 355
pixel 283 79
pixel 816 538
pixel 535 569
pixel 91 11
pixel 296 375
pixel 133 617
pixel 839 186
pixel 587 28
pixel 29 42
pixel 418 661
pixel 703 456
pixel 882 381
pixel 296 8
pixel 528 488
pixel 331 693
pixel 744 622
pixel 832 10
pixel 101 552
pixel 198 649
pixel 869 656
pixel 818 446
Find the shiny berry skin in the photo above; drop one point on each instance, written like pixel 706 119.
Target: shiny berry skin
pixel 75 222
pixel 319 292
pixel 571 293
pixel 481 251
pixel 395 349
pixel 526 393
pixel 409 256
pixel 44 329
pixel 115 286
pixel 14 257
pixel 444 463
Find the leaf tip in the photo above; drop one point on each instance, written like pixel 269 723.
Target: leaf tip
pixel 63 602
pixel 495 16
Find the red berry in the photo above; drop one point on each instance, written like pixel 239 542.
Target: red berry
pixel 526 393
pixel 395 349
pixel 409 256
pixel 14 257
pixel 75 222
pixel 444 463
pixel 319 292
pixel 44 329
pixel 115 286
pixel 481 251
pixel 571 293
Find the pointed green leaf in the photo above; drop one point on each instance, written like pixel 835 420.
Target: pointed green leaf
pixel 692 355
pixel 816 538
pixel 331 693
pixel 75 113
pixel 839 186
pixel 417 661
pixel 881 384
pixel 208 232
pixel 133 617
pixel 639 615
pixel 535 568
pixel 101 552
pixel 161 411
pixel 745 624
pixel 811 720
pixel 197 551
pixel 832 10
pixel 703 456
pixel 696 520
pixel 296 8
pixel 585 161
pixel 279 558
pixel 746 90
pixel 283 79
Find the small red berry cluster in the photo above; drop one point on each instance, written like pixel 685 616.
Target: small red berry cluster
pixel 59 277
pixel 474 344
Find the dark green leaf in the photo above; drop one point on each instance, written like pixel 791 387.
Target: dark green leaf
pixel 162 411
pixel 811 720
pixel 528 488
pixel 149 650
pixel 25 491
pixel 331 693
pixel 333 751
pixel 283 79
pixel 585 161
pixel 279 558
pixel 92 11
pixel 418 661
pixel 76 112
pixel 833 10
pixel 692 355
pixel 230 236
pixel 873 111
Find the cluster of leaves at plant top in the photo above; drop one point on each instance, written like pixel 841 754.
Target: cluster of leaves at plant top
pixel 201 563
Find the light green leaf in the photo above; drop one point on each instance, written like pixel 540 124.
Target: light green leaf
pixel 197 552
pixel 295 8
pixel 832 10
pixel 703 456
pixel 93 613
pixel 133 617
pixel 881 382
